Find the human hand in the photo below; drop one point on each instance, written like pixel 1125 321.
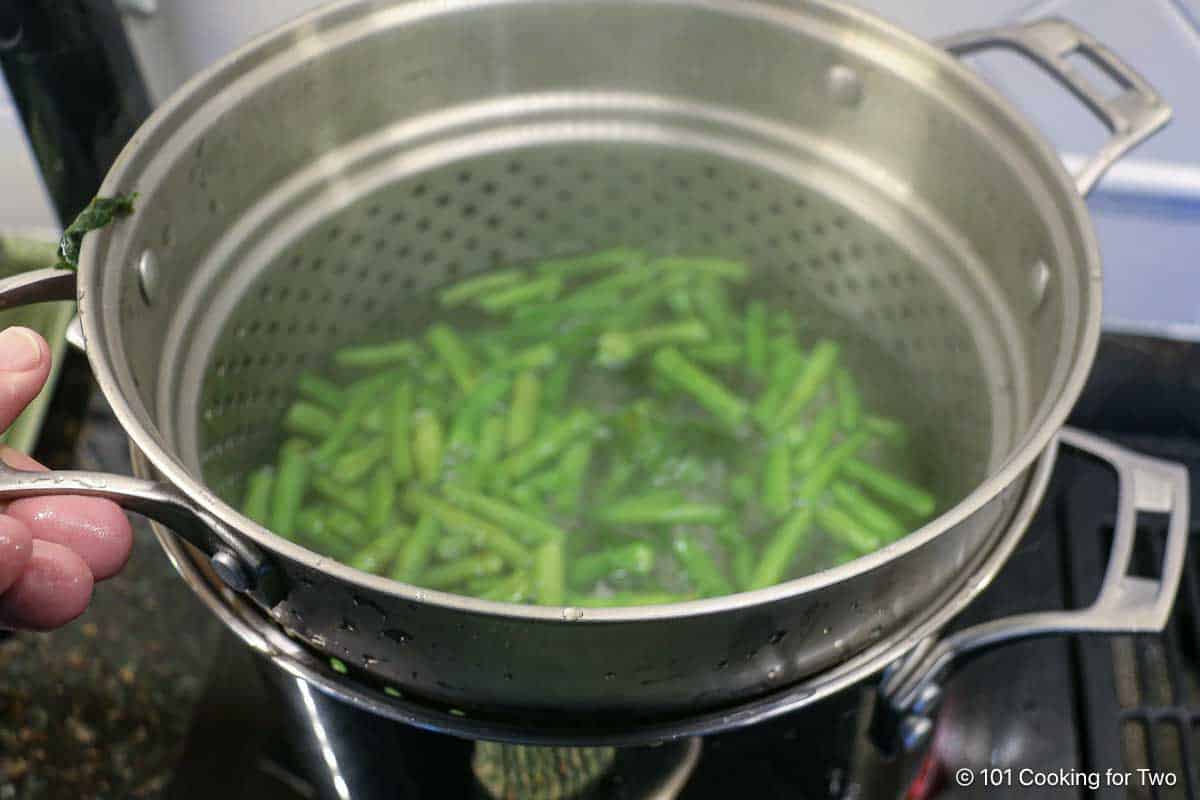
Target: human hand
pixel 52 549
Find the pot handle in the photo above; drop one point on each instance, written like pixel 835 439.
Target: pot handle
pixel 1132 116
pixel 240 565
pixel 911 688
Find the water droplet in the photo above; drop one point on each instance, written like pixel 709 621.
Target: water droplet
pixel 369 660
pixel 508 676
pixel 572 614
pixel 347 626
pixel 773 673
pixel 317 639
pixel 722 665
pixel 777 637
pixel 608 676
pixel 826 631
pixel 398 636
pixel 839 643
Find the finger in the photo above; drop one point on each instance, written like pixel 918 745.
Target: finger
pixel 16 546
pixel 96 529
pixel 54 589
pixel 24 365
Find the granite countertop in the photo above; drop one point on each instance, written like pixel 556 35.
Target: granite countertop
pixel 101 708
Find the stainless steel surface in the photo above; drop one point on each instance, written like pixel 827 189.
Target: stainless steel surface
pixel 1125 604
pixel 1132 116
pixel 301 194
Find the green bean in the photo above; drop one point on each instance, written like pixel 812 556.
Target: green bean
pixel 356 408
pixel 741 488
pixel 400 431
pixel 402 351
pixel 452 573
pixel 909 497
pixel 573 473
pixel 702 570
pixel 544 289
pixel 453 352
pixel 484 534
pixel 662 508
pixel 354 464
pixel 314 531
pixel 291 482
pixel 346 525
pixel 487 453
pixel 452 545
pixel 756 339
pixel 554 390
pixel 375 420
pixel 890 430
pixel 525 496
pixel 523 411
pixel 528 528
pixel 777 478
pixel 594 262
pixel 427 445
pixel 308 419
pixel 712 303
pixel 721 354
pixel 616 348
pixel 818 439
pixel 636 558
pixel 846 530
pixel 537 356
pixel 514 588
pixel 478 403
pixel 477 286
pixel 414 554
pixel 379 554
pixel 781 548
pixel 381 498
pixel 628 599
pixel 351 498
pixel 816 371
pixel 875 517
pixel 716 267
pixel 549 583
pixel 741 555
pixel 784 369
pixel 849 403
pixel 257 501
pixel 313 387
pixel 822 474
pixel 549 444
pixel 706 390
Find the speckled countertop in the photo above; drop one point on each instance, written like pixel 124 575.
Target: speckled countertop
pixel 101 708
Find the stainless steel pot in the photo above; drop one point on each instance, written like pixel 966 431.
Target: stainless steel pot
pixel 293 197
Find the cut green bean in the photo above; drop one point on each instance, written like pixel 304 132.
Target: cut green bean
pixel 379 554
pixel 539 356
pixel 549 444
pixel 523 411
pixel 313 387
pixel 346 525
pixel 526 527
pixel 549 581
pixel 558 381
pixel 634 558
pixel 491 445
pixel 716 267
pixel 908 496
pixel 781 548
pixel 427 445
pixel 892 431
pixel 291 482
pixel 351 498
pixel 313 531
pixel 400 431
pixel 784 369
pixel 712 303
pixel 452 573
pixel 818 479
pixel 721 354
pixel 875 517
pixel 756 339
pixel 818 439
pixel 415 552
pixel 846 530
pixel 541 289
pixel 573 474
pixel 616 348
pixel 817 369
pixel 702 570
pixel 257 501
pixel 662 508
pixel 741 555
pixel 478 286
pixel 483 533
pixel 777 478
pixel 849 403
pixel 704 389
pixel 390 354
pixel 308 419
pixel 353 465
pixel 356 408
pixel 381 498
pixel 514 588
pixel 477 404
pixel 453 352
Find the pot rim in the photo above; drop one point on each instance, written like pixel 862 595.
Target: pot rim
pixel 166 120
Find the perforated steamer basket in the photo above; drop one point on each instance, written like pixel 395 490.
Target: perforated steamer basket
pixel 300 194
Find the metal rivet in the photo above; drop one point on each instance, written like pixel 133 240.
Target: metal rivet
pixel 1039 283
pixel 844 85
pixel 231 571
pixel 147 269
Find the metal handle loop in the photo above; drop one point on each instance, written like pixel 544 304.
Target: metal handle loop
pixel 1132 116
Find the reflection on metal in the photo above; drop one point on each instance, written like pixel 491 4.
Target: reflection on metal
pixel 327 754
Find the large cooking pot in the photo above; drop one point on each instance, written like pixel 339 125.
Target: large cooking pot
pixel 292 197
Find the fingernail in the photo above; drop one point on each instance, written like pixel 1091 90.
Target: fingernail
pixel 20 350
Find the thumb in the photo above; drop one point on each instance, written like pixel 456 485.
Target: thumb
pixel 24 365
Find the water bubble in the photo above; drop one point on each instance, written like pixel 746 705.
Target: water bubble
pixel 777 637
pixel 608 676
pixel 773 673
pixel 347 626
pixel 398 636
pixel 826 631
